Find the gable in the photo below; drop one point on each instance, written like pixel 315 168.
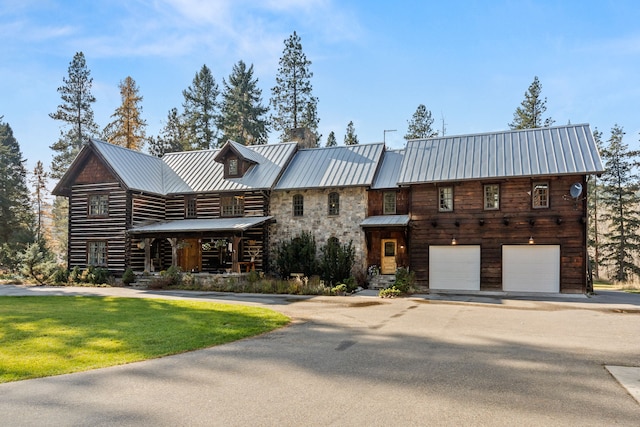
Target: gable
pixel 94 171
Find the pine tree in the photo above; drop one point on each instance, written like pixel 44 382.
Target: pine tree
pixel 172 137
pixel 529 114
pixel 201 111
pixel 350 138
pixel 16 214
pixel 292 97
pixel 76 115
pixel 242 114
pixel 39 182
pixel 128 128
pixel 620 187
pixel 331 140
pixel 594 194
pixel 421 124
pixel 58 241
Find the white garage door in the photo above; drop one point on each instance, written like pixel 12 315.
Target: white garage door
pixel 454 268
pixel 533 268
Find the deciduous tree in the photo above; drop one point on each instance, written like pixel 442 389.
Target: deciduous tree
pixel 292 99
pixel 529 114
pixel 127 128
pixel 75 113
pixel 243 115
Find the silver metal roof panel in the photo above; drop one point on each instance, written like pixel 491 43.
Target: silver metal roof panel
pixel 343 166
pixel 558 150
pixel 386 221
pixel 387 176
pixel 197 225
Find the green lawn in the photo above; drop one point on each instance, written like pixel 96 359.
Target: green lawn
pixel 43 336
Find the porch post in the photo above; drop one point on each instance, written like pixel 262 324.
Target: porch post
pixel 174 250
pixel 147 255
pixel 234 255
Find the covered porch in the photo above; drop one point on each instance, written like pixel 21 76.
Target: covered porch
pixel 217 245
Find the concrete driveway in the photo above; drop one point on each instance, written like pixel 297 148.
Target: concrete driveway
pixel 438 360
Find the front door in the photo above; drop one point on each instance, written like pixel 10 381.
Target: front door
pixel 189 255
pixel 388 256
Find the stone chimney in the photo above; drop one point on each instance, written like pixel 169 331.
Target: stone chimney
pixel 304 137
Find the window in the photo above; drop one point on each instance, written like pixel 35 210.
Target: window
pixel 540 195
pixel 491 197
pixel 389 203
pixel 190 207
pixel 233 167
pixel 445 203
pixel 298 205
pixel 232 206
pixel 97 253
pixel 98 205
pixel 334 204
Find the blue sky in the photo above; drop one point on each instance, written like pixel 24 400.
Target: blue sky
pixel 374 62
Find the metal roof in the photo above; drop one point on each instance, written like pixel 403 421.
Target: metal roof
pixel 197 225
pixel 387 176
pixel 386 221
pixel 558 150
pixel 343 166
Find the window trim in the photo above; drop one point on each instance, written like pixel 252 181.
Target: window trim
pixel 101 197
pixel 230 172
pixel 104 254
pixel 441 207
pixel 232 206
pixel 333 207
pixel 485 199
pixel 384 202
pixel 297 205
pixel 190 206
pixel 539 205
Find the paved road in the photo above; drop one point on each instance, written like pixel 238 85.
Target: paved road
pixel 364 361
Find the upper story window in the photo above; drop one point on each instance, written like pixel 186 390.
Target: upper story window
pixel 540 195
pixel 298 205
pixel 491 197
pixel 334 204
pixel 445 199
pixel 98 205
pixel 97 253
pixel 232 206
pixel 190 207
pixel 389 203
pixel 233 167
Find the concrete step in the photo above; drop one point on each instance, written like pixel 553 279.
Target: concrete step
pixel 381 281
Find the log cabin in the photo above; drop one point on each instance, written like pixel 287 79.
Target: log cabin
pixel 500 211
pixel 203 211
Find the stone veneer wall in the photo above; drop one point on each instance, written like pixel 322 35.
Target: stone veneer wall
pixel 345 226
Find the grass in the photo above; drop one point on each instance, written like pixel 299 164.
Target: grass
pixel 630 287
pixel 44 336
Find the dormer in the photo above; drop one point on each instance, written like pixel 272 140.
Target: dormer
pixel 237 159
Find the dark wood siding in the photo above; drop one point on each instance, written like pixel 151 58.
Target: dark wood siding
pixel 147 209
pixel 111 228
pixel 563 223
pixel 375 201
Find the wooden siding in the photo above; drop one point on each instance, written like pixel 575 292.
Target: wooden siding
pixel 208 205
pixel 82 228
pixel 94 172
pixel 376 205
pixel 146 209
pixel 563 223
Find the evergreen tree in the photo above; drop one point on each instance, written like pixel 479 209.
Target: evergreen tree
pixel 75 113
pixel 331 140
pixel 421 124
pixel 620 195
pixel 201 111
pixel 16 214
pixel 172 137
pixel 242 119
pixel 58 241
pixel 594 208
pixel 350 138
pixel 292 97
pixel 529 114
pixel 39 182
pixel 128 128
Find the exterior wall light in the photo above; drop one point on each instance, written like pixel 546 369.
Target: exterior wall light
pixel 531 241
pixel 454 241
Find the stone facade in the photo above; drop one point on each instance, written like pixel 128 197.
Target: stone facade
pixel 316 219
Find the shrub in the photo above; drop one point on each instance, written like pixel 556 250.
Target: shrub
pixel 340 289
pixel 172 276
pixel 404 280
pixel 128 277
pixel 75 275
pixel 60 275
pixel 297 255
pixel 37 263
pixel 336 261
pixel 390 292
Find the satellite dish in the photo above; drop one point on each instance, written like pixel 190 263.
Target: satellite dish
pixel 576 190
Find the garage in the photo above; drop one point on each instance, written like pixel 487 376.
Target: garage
pixel 534 268
pixel 454 268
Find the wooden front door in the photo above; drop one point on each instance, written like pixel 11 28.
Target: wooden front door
pixel 189 255
pixel 388 256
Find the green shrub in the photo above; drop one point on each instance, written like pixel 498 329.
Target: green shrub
pixel 390 292
pixel 336 261
pixel 75 275
pixel 60 275
pixel 128 277
pixel 340 289
pixel 37 263
pixel 297 255
pixel 404 280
